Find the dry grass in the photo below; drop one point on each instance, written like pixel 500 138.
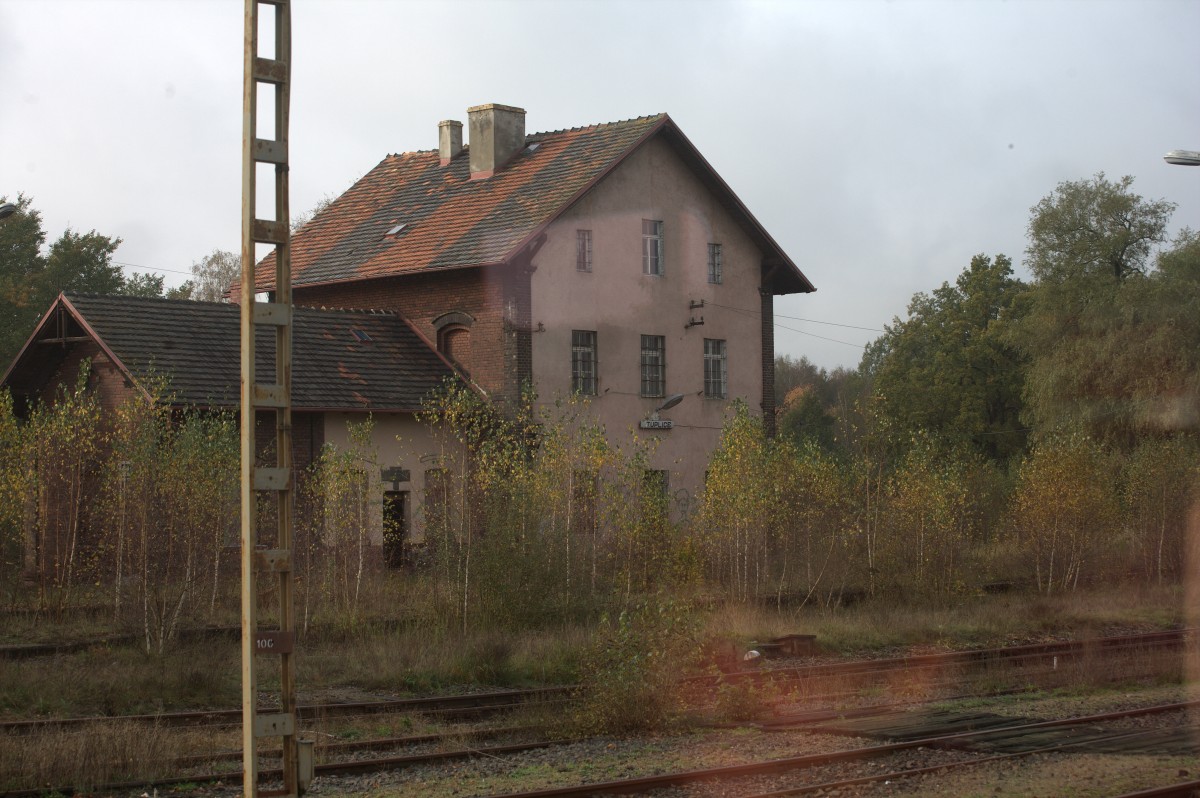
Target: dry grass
pixel 387 659
pixel 974 621
pixel 112 752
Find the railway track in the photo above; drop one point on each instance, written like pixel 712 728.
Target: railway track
pixel 1035 652
pixel 956 740
pixel 447 708
pixel 478 706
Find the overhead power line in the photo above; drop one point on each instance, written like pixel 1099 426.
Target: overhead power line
pixel 755 312
pixel 149 268
pixel 822 337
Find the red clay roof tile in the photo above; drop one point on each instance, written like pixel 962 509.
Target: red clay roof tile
pixel 452 221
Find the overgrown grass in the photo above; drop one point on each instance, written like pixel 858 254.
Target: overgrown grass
pixel 985 620
pixel 391 658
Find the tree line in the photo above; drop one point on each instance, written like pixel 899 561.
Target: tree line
pixel 1103 340
pixel 1064 409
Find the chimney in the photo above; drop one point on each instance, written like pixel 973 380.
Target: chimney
pixel 497 134
pixel 449 140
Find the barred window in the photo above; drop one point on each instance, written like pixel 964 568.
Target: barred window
pixel 652 247
pixel 583 362
pixel 714 263
pixel 716 383
pixel 656 483
pixel 583 250
pixel 654 365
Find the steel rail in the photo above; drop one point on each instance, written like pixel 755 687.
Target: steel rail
pixel 430 705
pixel 647 783
pixel 880 666
pixel 963 763
pixel 444 705
pixel 354 746
pixel 1184 789
pixel 321 769
pixel 973 656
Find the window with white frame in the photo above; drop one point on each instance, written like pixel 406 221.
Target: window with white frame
pixel 716 382
pixel 654 365
pixel 714 263
pixel 583 250
pixel 583 362
pixel 652 247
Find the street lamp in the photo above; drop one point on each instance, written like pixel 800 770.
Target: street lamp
pixel 1183 157
pixel 7 210
pixel 654 422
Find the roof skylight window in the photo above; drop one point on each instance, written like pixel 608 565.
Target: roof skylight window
pixel 397 229
pixel 361 335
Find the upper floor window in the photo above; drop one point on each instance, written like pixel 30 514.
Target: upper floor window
pixel 654 365
pixel 716 381
pixel 714 263
pixel 583 362
pixel 583 250
pixel 652 247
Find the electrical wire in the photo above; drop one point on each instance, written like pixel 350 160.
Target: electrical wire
pixel 749 311
pixel 149 268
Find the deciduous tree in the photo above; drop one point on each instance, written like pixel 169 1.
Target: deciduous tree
pixel 1111 335
pixel 212 276
pixel 948 370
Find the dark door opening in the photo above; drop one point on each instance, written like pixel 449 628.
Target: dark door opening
pixel 395 528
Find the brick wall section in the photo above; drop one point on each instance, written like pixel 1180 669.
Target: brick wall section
pixel 496 297
pixel 106 379
pixel 518 355
pixel 308 436
pixel 768 360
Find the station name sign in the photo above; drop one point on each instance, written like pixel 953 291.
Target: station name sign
pixel 656 423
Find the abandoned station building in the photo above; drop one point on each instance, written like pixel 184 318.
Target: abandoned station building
pixel 610 261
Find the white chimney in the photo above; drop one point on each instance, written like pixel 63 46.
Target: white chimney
pixel 497 134
pixel 449 140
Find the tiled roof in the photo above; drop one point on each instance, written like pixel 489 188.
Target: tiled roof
pixel 451 220
pixel 196 346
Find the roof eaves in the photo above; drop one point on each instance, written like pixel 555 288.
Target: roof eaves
pixel 392 275
pixel 719 182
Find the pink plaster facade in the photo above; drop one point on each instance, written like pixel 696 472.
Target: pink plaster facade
pixel 621 303
pixel 399 441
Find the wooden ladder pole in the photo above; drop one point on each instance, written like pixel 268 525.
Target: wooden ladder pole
pixel 277 398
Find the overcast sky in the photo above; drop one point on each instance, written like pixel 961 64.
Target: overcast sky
pixel 882 144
